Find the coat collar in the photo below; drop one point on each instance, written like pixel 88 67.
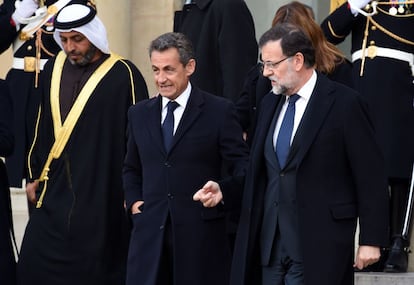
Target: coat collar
pixel 191 113
pixel 267 110
pixel 154 121
pixel 202 4
pixel 318 108
pixel 312 120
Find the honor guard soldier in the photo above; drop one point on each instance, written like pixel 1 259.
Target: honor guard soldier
pixel 382 54
pixel 27 26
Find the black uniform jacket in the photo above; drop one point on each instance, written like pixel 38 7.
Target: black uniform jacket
pixel 386 83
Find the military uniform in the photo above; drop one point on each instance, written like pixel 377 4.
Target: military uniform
pixel 382 54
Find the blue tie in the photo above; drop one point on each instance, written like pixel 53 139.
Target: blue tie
pixel 168 125
pixel 285 132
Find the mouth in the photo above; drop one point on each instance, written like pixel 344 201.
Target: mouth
pixel 74 55
pixel 164 87
pixel 273 81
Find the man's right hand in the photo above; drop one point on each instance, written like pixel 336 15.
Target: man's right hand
pixel 135 209
pixel 31 188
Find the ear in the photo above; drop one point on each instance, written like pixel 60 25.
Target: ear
pixel 190 67
pixel 298 61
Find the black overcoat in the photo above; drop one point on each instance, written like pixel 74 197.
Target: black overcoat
pixel 223 36
pixel 207 141
pixel 340 176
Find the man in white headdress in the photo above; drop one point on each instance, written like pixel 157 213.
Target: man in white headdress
pixel 78 233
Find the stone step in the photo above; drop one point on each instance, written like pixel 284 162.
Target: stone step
pixel 375 278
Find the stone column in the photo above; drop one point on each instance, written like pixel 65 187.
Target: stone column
pixel 116 15
pixel 149 19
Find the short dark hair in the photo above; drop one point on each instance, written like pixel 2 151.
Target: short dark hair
pixel 292 40
pixel 174 40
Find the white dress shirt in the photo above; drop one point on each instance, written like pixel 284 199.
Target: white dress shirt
pixel 305 93
pixel 182 100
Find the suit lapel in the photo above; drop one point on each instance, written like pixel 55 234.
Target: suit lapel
pixel 270 153
pixel 154 122
pixel 313 118
pixel 192 111
pixel 270 107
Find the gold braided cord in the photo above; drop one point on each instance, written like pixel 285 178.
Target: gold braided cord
pixel 26 35
pixel 40 47
pixel 43 47
pixel 333 32
pixel 397 15
pixel 42 195
pixel 364 46
pixel 38 55
pixel 389 33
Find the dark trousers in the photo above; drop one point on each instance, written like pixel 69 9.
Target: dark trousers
pixel 399 189
pixel 282 270
pixel 166 269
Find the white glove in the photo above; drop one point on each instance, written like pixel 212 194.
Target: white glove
pixel 356 5
pixel 24 9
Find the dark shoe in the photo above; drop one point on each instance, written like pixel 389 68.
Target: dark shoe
pixel 397 261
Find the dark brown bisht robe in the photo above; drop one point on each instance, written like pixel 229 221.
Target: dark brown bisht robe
pixel 80 234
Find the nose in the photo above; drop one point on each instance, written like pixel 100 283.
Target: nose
pixel 69 46
pixel 160 77
pixel 267 72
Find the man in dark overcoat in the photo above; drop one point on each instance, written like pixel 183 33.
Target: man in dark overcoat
pixel 300 206
pixel 176 240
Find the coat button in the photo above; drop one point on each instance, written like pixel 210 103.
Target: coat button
pixel 167 164
pixel 161 227
pixel 171 196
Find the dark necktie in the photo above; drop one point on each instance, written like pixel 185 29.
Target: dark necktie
pixel 285 132
pixel 168 125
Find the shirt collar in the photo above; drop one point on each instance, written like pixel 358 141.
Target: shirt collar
pixel 182 99
pixel 307 89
